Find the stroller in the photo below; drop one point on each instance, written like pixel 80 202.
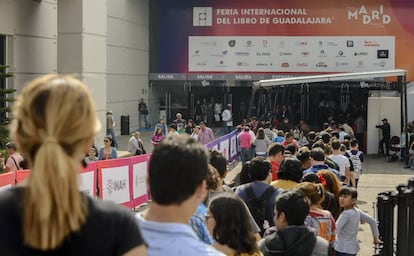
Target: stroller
pixel 395 149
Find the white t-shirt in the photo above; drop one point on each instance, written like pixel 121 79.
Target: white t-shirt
pixel 342 161
pixel 227 117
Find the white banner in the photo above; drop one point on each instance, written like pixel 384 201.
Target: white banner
pixel 233 145
pixel 224 148
pixel 139 175
pixel 115 184
pixel 319 54
pixel 86 183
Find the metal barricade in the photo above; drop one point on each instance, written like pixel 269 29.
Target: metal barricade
pixel 403 199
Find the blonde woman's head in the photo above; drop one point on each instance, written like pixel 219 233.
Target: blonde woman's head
pixel 55 122
pixel 56 110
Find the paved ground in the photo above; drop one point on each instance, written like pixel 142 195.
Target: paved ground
pixel 378 176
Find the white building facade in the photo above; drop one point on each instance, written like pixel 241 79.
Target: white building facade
pixel 105 43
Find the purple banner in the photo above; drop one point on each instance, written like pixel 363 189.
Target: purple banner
pixel 226 144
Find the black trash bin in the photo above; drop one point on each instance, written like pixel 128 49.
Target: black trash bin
pixel 125 125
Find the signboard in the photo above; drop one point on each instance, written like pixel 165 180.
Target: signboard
pixel 139 179
pixel 233 146
pixel 264 37
pixel 114 180
pixel 87 181
pixel 226 144
pixel 289 54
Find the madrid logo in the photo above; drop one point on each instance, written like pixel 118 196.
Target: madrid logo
pixel 375 16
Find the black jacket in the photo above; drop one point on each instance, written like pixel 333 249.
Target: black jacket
pixel 294 240
pixel 386 130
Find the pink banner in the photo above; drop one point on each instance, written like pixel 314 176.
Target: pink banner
pixel 88 183
pixel 6 180
pixel 115 181
pixel 139 170
pixel 22 175
pixel 121 180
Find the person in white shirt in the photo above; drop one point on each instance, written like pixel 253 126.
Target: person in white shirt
pixel 227 118
pixel 341 160
pixel 135 144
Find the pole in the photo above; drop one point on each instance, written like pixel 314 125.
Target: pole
pixel 411 215
pixel 402 230
pixel 385 206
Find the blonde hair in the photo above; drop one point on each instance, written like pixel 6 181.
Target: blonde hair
pixel 54 125
pixel 315 192
pixel 213 178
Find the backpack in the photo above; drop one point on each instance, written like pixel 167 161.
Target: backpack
pixel 356 162
pixel 258 206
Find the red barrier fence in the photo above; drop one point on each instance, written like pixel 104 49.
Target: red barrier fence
pixel 121 180
pixel 6 181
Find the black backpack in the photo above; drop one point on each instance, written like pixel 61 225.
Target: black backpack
pixel 258 206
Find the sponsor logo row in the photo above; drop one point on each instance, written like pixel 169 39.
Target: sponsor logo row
pixel 286 64
pixel 282 43
pixel 380 54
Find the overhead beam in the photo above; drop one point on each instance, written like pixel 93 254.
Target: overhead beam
pixel 330 78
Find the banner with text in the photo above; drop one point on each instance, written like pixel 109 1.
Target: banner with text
pixel 114 179
pixel 88 179
pixel 290 54
pixel 226 144
pixel 237 35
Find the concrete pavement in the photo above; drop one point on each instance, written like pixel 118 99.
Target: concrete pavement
pixel 378 176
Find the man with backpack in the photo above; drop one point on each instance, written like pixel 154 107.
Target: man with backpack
pixel 259 195
pixel 357 157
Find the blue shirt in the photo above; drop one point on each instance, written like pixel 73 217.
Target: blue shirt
pixel 172 239
pixel 278 139
pixel 197 222
pixel 316 168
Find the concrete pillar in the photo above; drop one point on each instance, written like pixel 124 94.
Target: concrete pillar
pixel 82 34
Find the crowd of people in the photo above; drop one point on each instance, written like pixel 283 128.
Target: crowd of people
pixel 295 206
pixel 296 184
pixel 294 197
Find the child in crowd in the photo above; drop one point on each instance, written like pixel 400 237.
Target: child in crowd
pixel 347 225
pixel 157 136
pixel 91 155
pixel 319 219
